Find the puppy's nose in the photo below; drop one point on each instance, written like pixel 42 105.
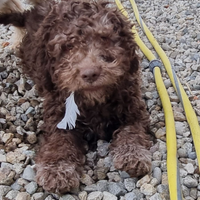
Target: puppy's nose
pixel 90 75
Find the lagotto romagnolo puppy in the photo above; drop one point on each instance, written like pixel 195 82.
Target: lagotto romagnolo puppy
pixel 83 51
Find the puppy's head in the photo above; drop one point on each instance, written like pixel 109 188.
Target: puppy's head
pixel 89 46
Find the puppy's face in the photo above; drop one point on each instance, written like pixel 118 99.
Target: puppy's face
pixel 90 47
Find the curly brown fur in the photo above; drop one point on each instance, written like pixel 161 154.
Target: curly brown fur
pixel 88 48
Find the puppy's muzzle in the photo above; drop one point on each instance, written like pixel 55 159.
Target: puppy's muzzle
pixel 90 74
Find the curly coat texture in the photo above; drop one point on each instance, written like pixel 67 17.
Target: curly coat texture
pixel 88 48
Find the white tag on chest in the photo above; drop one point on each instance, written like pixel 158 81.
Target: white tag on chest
pixel 71 112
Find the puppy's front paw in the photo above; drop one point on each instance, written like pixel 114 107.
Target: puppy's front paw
pixel 58 178
pixel 135 160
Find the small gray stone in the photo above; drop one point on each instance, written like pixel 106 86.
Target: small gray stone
pixel 188 147
pixel 174 98
pixel 174 54
pixel 91 188
pixel 182 153
pixel 102 150
pixel 91 155
pixel 180 128
pixel 163 166
pixel 167 83
pixel 108 162
pixel 12 194
pixel 156 196
pixel 129 184
pixel 162 189
pixel 114 176
pixel 29 110
pixel 95 196
pixel 108 196
pixel 183 173
pixel 116 189
pixel 185 191
pixel 29 173
pixel 38 196
pixel 130 196
pixel 4 190
pixel 157 174
pixel 16 186
pixel 2 158
pixel 190 182
pixel 18 167
pixel 124 174
pixel 148 95
pixel 166 47
pixel 162 147
pixel 24 117
pixel 67 197
pixel 193 193
pixel 49 197
pixel 192 155
pixel 138 194
pixel 102 185
pixel 31 187
pixel 189 168
pixel 150 103
pixel 157 156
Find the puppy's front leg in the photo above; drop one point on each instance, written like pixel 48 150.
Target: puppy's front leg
pixel 59 161
pixel 130 150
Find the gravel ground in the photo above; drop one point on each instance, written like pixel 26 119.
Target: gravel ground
pixel 176 26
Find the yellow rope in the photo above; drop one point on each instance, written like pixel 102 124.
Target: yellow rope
pixel 173 174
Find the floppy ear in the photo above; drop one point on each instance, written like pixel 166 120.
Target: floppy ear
pixel 36 62
pixel 123 28
pixel 44 65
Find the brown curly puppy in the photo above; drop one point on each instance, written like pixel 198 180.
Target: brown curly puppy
pixel 86 48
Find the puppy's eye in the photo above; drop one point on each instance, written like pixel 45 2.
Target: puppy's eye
pixel 103 38
pixel 107 59
pixel 53 60
pixel 80 32
pixel 65 16
pixel 67 47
